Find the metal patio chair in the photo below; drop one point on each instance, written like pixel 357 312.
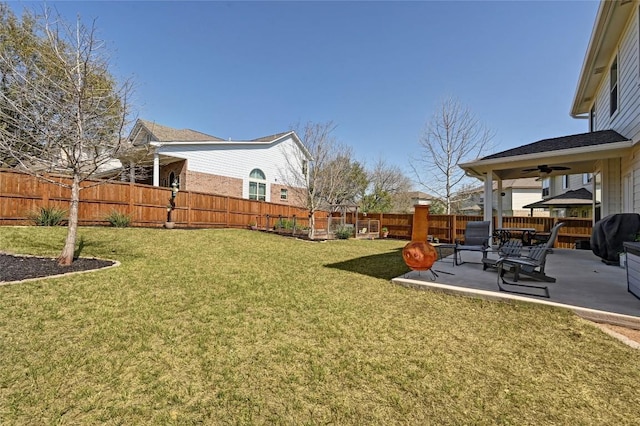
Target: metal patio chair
pixel 476 238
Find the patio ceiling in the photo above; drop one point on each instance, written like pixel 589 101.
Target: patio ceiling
pixel 579 152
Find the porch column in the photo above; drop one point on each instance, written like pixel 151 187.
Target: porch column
pixel 488 199
pixel 499 219
pixel 156 169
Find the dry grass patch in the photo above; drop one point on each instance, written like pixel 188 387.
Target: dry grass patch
pixel 224 326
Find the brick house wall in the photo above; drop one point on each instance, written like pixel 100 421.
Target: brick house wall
pixel 295 197
pixel 213 184
pixel 179 169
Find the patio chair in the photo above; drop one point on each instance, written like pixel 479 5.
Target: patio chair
pixel 512 248
pixel 548 238
pixel 531 264
pixel 476 238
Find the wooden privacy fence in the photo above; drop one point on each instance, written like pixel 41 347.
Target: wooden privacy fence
pixel 448 228
pixel 22 194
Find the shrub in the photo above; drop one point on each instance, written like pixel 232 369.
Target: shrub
pixel 284 224
pixel 48 216
pixel 343 232
pixel 119 220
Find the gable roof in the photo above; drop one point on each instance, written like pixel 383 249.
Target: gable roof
pixel 576 197
pixel 580 140
pixel 579 152
pixel 162 133
pixel 270 138
pixel 522 183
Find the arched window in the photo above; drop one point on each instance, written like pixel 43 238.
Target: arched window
pixel 257 185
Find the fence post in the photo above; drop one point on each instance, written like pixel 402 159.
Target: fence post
pixel 132 190
pixel 188 209
pixel 454 228
pixel 45 193
pixel 226 215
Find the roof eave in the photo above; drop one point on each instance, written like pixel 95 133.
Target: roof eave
pixel 602 44
pixel 480 167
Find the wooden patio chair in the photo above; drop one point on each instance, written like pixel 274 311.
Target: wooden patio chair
pixel 512 248
pixel 531 265
pixel 476 238
pixel 548 238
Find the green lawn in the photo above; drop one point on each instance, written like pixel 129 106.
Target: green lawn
pixel 242 327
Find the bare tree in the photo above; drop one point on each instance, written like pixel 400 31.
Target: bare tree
pixel 452 136
pixel 387 187
pixel 61 110
pixel 329 177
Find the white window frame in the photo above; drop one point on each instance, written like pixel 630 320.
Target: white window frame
pixel 565 181
pixel 614 92
pixel 546 184
pixel 259 183
pixel 284 194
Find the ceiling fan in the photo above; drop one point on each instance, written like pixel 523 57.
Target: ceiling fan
pixel 545 170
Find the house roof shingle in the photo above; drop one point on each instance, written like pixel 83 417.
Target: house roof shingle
pixel 168 134
pixel 270 138
pixel 600 137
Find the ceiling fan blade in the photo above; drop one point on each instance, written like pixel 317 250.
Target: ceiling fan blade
pixel 560 168
pixel 530 170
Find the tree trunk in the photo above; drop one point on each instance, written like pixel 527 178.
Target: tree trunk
pixel 312 225
pixel 66 257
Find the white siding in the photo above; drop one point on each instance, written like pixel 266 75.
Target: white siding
pixel 626 120
pixel 522 197
pixel 611 186
pixel 237 160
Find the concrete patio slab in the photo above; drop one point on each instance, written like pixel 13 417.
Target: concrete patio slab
pixel 583 284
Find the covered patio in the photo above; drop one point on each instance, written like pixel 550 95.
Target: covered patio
pixel 584 284
pixel 597 152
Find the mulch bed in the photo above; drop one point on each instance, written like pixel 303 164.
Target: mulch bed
pixel 17 268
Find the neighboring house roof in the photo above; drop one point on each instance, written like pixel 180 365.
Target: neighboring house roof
pixel 580 140
pixel 573 198
pixel 421 195
pixel 270 138
pixel 610 23
pixel 524 183
pixel 162 133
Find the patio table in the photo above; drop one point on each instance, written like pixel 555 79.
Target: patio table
pixel 505 234
pixel 440 246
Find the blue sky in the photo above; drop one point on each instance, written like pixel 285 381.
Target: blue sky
pixel 243 70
